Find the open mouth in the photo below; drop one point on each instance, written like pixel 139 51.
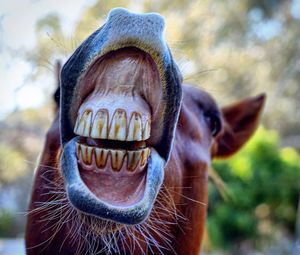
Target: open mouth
pixel 112 153
pixel 111 165
pixel 120 102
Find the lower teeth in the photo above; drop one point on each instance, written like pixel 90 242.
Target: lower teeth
pixel 99 156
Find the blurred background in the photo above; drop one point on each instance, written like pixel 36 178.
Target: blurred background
pixel 231 48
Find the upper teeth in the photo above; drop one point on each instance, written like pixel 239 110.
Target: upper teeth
pixel 99 125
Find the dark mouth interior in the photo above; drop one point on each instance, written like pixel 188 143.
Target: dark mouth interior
pixel 113 144
pixel 113 124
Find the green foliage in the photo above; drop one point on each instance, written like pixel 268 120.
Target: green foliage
pixel 263 183
pixel 6 223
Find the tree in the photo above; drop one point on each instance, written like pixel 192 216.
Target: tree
pixel 230 48
pixel 262 192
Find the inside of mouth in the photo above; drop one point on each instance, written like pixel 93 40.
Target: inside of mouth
pixel 119 96
pixel 113 144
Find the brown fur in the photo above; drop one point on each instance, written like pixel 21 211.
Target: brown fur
pixel 177 221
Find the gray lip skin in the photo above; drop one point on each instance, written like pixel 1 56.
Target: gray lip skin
pixel 85 201
pixel 126 29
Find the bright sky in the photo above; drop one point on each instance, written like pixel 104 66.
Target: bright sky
pixel 17 35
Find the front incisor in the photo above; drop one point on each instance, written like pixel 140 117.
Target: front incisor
pixel 133 158
pixel 144 156
pixel 135 128
pixel 100 125
pixel 117 158
pixel 101 157
pixel 118 126
pixel 86 154
pixel 83 123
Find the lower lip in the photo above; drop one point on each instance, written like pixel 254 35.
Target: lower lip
pixel 81 198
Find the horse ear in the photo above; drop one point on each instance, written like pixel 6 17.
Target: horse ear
pixel 240 122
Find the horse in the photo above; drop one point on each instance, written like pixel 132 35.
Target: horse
pixel 124 169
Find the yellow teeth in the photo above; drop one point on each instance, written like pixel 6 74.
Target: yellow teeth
pixel 101 157
pixel 89 155
pixel 135 128
pixel 144 157
pixel 118 126
pixel 100 126
pixel 117 158
pixel 133 158
pixel 83 123
pixel 86 154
